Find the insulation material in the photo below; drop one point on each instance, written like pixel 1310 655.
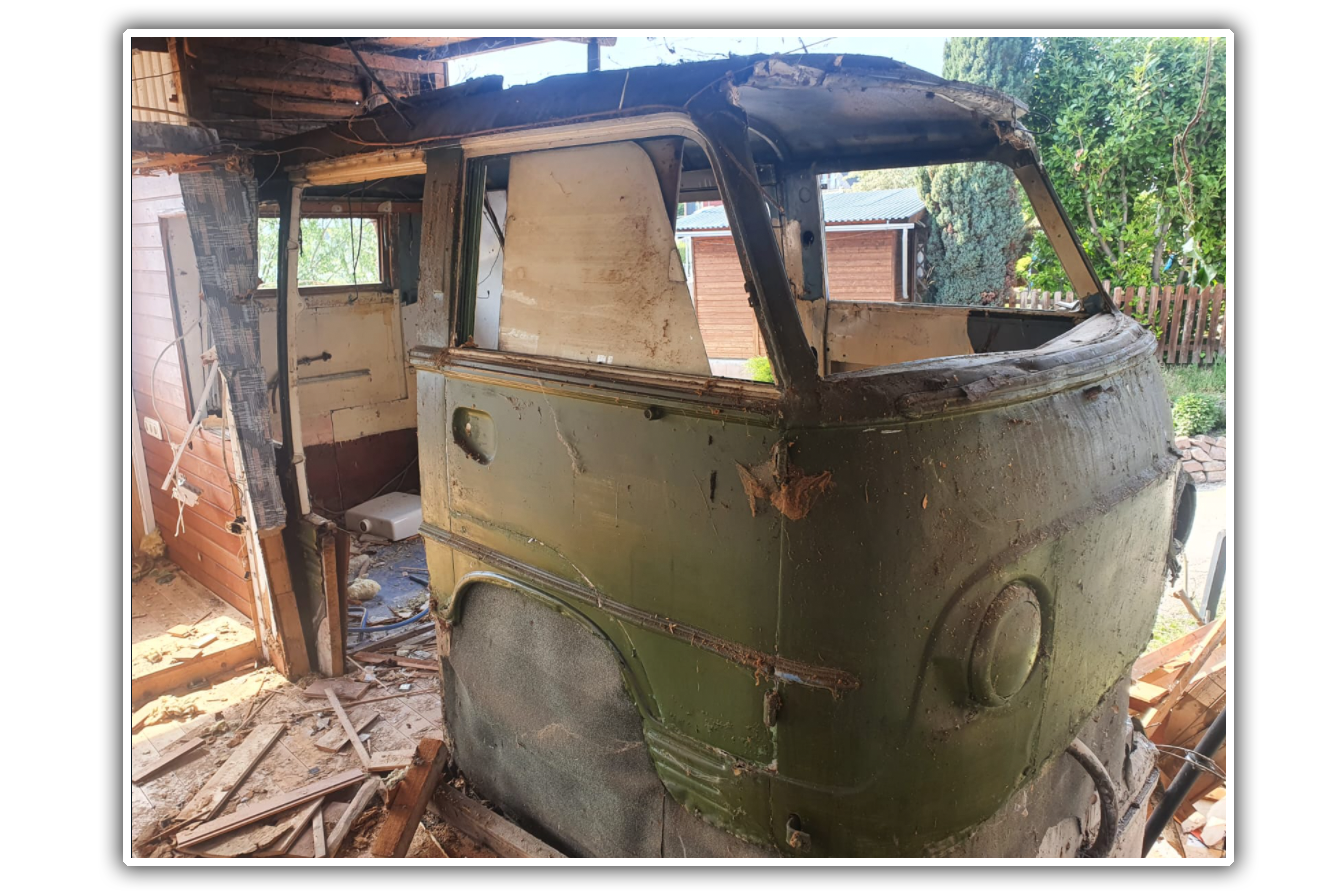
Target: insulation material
pixel 221 208
pixel 544 728
pixel 591 270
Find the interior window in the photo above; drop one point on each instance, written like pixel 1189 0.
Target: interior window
pixel 579 257
pixel 336 251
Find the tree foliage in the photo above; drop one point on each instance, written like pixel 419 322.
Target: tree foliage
pixel 1132 131
pixel 977 230
pixel 889 178
pixel 334 251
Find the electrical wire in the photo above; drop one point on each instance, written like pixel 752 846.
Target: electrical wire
pixel 153 383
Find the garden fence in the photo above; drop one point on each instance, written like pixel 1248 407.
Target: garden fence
pixel 1189 323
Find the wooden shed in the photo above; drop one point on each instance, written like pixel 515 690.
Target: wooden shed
pixel 871 253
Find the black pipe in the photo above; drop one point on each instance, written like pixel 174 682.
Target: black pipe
pixel 1211 742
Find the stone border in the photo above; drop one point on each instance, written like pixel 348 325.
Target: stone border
pixel 1203 457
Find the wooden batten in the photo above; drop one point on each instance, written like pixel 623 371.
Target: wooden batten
pixel 290 655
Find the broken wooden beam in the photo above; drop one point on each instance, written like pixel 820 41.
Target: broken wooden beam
pixel 391 760
pixel 409 800
pixel 210 798
pixel 168 756
pixel 376 659
pixel 369 700
pixel 426 626
pixel 1158 714
pixel 296 827
pixel 318 833
pixel 335 838
pixel 487 827
pixel 269 807
pixel 337 738
pixel 350 729
pixel 345 688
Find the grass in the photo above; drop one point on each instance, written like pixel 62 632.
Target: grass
pixel 1182 379
pixel 1209 380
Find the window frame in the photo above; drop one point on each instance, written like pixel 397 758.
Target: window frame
pixel 365 209
pixel 467 229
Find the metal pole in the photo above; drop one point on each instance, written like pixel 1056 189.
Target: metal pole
pixel 1211 742
pixel 592 62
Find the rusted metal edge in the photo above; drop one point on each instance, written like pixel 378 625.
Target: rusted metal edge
pixel 1011 386
pixel 701 397
pixel 772 666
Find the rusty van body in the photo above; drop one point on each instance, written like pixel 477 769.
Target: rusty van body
pixel 862 611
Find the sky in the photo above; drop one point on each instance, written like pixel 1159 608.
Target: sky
pixel 523 65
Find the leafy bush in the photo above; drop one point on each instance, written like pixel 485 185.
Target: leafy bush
pixel 1197 413
pixel 758 368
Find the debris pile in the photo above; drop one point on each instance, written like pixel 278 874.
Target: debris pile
pixel 1178 691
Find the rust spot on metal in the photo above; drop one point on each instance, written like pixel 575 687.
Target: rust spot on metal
pixel 783 484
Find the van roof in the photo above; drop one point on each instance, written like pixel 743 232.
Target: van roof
pixel 834 111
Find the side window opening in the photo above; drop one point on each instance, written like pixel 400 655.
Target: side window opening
pixel 923 263
pixel 580 256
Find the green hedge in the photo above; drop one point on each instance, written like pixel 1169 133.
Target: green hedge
pixel 1197 413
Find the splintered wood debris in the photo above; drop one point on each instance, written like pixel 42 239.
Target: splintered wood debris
pixel 257 767
pixel 1177 691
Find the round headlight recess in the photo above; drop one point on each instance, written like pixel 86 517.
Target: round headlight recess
pixel 1006 645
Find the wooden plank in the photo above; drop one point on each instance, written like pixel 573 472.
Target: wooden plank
pixel 174 677
pixel 318 834
pixel 1213 332
pixel 1182 355
pixel 1208 324
pixel 335 739
pixel 409 800
pixel 305 847
pixel 335 55
pixel 267 808
pixel 1167 652
pixel 1142 696
pixel 335 838
pixel 1141 299
pixel 1176 325
pixel 436 255
pixel 336 611
pixel 376 659
pixel 356 741
pixel 391 760
pixel 345 688
pixel 370 700
pixel 1200 323
pixel 1157 316
pixel 1181 684
pixel 396 638
pixel 290 655
pixel 287 86
pixel 296 827
pixel 487 827
pixel 169 755
pixel 210 799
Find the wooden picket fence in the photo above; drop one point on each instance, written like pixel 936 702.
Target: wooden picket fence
pixel 1190 323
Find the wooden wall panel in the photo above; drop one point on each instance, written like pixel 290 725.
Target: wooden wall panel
pixel 728 324
pixel 205 549
pixel 260 88
pixel 863 265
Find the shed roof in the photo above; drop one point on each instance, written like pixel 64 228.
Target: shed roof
pixel 875 205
